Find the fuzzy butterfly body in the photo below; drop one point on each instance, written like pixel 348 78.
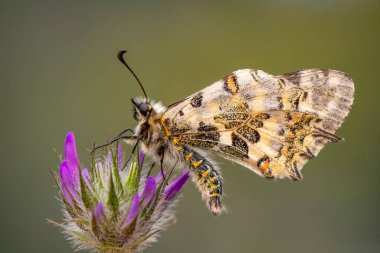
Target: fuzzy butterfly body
pixel 270 124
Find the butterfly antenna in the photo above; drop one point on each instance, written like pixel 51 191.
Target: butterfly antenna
pixel 120 56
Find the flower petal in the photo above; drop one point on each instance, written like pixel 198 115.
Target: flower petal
pixel 71 155
pixel 175 186
pixel 133 212
pixel 149 191
pixel 87 178
pixel 98 220
pixel 99 216
pixel 67 183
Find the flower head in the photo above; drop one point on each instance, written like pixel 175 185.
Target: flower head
pixel 111 209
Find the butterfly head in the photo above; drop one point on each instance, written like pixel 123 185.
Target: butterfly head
pixel 142 109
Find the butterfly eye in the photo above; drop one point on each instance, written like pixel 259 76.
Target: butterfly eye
pixel 144 108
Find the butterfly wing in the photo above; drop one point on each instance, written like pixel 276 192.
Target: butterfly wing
pixel 270 124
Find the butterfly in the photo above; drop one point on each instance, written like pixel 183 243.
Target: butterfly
pixel 271 124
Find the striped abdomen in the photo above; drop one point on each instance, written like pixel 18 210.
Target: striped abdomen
pixel 207 177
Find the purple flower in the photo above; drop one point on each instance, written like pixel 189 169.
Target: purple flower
pixel 103 209
pixel 87 178
pixel 71 156
pixel 175 186
pixel 68 184
pixel 69 171
pixel 133 212
pixel 149 191
pixel 99 216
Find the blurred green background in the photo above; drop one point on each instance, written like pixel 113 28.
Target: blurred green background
pixel 58 72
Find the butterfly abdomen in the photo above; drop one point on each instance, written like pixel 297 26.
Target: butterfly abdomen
pixel 205 174
pixel 207 177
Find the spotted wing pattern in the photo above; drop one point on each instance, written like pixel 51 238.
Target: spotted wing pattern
pixel 270 124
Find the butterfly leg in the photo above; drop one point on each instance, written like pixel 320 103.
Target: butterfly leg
pixel 119 137
pixel 207 178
